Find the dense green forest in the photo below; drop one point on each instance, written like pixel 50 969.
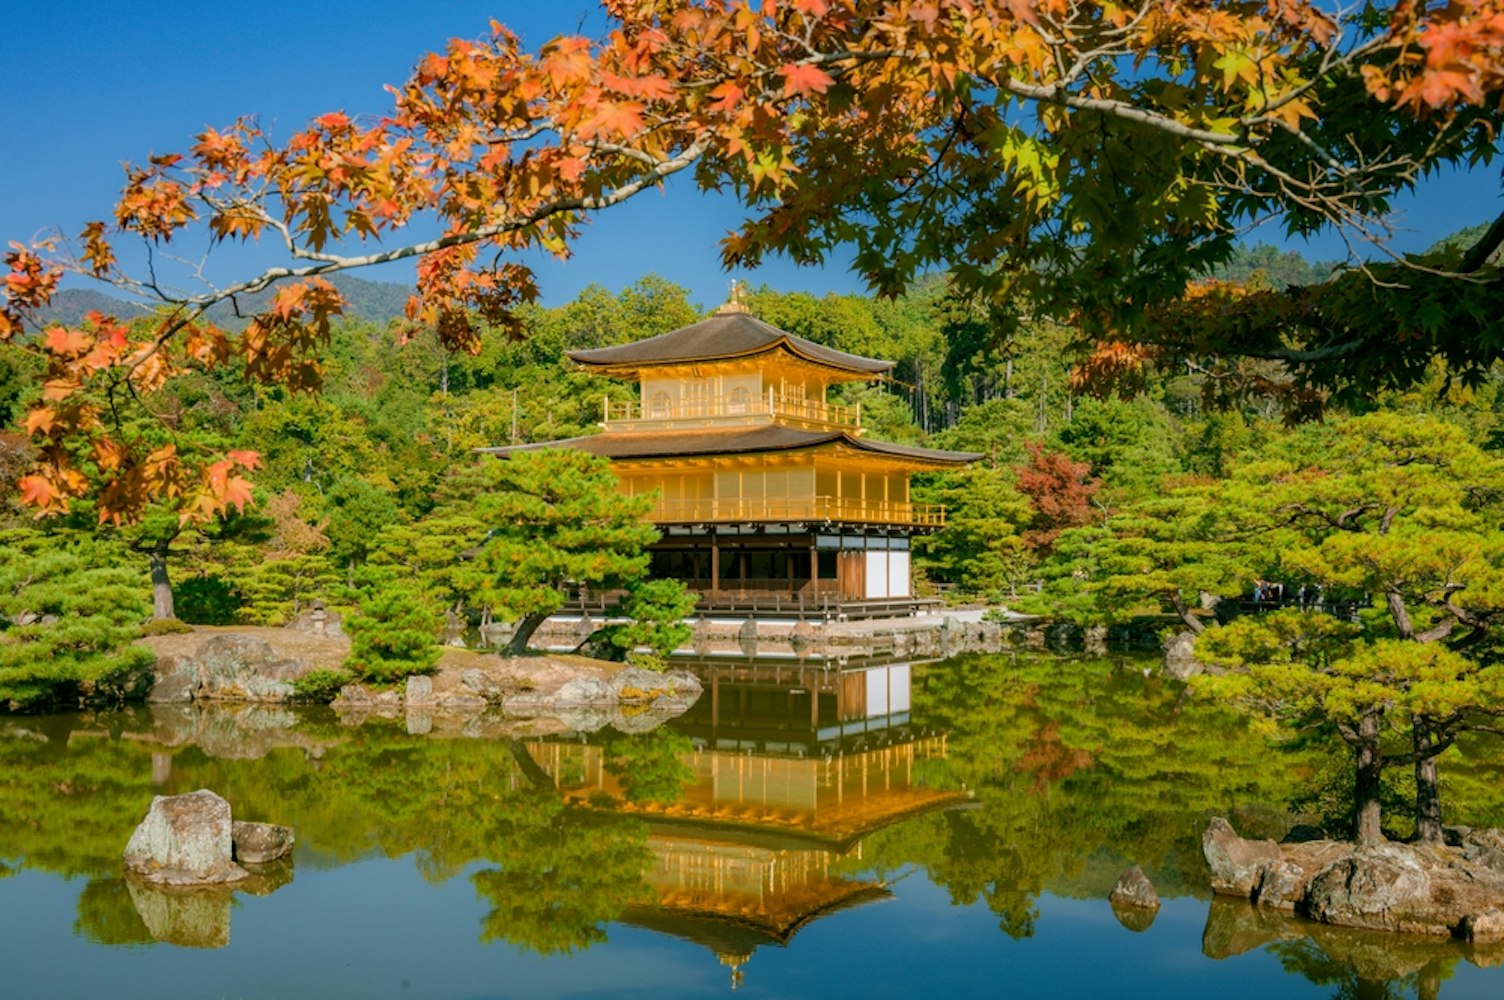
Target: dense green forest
pixel 1371 534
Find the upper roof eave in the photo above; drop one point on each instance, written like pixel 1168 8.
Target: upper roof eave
pixel 723 336
pixel 626 446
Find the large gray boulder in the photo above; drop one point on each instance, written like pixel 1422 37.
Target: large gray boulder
pixel 1484 848
pixel 1407 888
pixel 1236 864
pixel 635 685
pixel 584 691
pixel 176 679
pixel 1283 886
pixel 184 840
pixel 484 685
pixel 245 668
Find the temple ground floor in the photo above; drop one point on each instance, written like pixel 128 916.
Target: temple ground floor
pixel 788 570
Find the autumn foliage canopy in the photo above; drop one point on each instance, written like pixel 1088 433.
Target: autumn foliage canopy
pixel 1085 158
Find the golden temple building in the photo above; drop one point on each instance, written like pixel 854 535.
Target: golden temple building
pixel 769 497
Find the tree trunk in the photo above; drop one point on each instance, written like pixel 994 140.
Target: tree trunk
pixel 1183 610
pixel 350 573
pixel 1427 788
pixel 525 630
pixel 1367 821
pixel 161 586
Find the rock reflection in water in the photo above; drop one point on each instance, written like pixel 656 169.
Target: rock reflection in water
pixel 1361 963
pixel 1135 918
pixel 131 911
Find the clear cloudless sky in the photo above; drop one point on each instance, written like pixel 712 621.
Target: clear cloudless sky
pixel 95 83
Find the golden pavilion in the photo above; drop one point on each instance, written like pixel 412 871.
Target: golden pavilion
pixel 769 498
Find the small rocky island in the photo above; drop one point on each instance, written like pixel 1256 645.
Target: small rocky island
pixel 1456 890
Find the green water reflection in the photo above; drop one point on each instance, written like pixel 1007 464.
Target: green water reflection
pixel 784 797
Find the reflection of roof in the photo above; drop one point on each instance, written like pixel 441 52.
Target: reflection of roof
pixel 838 824
pixel 724 335
pixel 735 441
pixel 728 933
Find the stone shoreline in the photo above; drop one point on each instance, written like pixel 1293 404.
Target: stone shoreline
pixel 558 692
pixel 1448 891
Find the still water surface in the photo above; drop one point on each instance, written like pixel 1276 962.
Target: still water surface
pixel 878 830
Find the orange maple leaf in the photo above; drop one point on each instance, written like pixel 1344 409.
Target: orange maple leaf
pixel 613 119
pixel 38 491
pixel 804 79
pixel 728 97
pixel 40 421
pixel 68 343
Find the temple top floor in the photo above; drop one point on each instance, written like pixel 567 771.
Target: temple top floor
pixel 731 339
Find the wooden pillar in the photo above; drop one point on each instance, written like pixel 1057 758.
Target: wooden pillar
pixel 814 570
pixel 715 566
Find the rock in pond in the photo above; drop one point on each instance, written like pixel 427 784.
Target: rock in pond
pixel 1134 901
pixel 1135 889
pixel 259 843
pixel 184 840
pixel 1236 864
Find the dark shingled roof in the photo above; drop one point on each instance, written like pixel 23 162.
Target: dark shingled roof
pixel 735 441
pixel 724 335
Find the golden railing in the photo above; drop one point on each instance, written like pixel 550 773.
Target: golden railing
pixel 798 509
pixel 733 405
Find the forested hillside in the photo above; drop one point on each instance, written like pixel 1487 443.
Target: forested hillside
pixel 373 485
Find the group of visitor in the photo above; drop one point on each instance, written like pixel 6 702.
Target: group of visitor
pixel 1273 594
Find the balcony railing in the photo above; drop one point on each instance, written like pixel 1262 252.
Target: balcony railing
pixel 712 409
pixel 848 510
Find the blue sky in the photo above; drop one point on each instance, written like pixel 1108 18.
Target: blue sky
pixel 92 84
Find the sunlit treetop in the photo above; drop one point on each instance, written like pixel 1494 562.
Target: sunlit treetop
pixel 1079 159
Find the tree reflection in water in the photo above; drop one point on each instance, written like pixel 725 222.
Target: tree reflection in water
pixel 1011 778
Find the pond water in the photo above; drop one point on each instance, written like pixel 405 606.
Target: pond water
pixel 874 830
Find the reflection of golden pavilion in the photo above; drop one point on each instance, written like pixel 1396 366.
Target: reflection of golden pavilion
pixel 799 706
pixel 768 496
pixel 823 801
pixel 754 847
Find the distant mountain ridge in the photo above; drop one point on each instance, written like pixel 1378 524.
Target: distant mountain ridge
pixel 375 301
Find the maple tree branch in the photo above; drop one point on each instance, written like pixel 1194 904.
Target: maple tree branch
pixel 1053 94
pixel 325 263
